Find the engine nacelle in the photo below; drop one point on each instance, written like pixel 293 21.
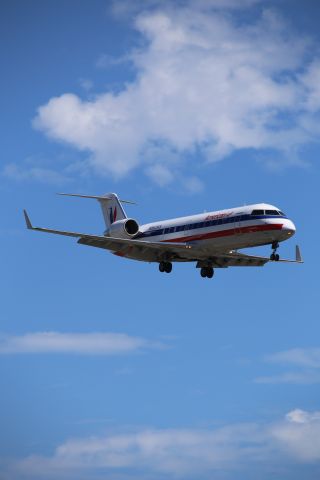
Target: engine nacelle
pixel 126 228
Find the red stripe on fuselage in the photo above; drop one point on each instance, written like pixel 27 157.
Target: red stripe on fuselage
pixel 229 232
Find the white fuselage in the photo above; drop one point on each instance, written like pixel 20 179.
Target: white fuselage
pixel 235 228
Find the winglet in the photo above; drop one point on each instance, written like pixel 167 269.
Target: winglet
pixel 27 219
pixel 298 255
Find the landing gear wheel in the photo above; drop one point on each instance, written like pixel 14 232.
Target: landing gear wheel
pixel 165 267
pixel 276 257
pixel 168 267
pixel 273 257
pixel 210 272
pixel 206 272
pixel 203 272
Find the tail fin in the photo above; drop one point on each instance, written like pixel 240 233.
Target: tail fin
pixel 110 205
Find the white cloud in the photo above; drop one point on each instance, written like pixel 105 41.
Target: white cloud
pixel 306 361
pixel 127 8
pixel 205 85
pixel 75 343
pixel 193 184
pixel 301 416
pixel 172 452
pixel 160 174
pixel 311 80
pixel 299 435
pixel 86 84
pixel 185 453
pixel 301 357
pixel 40 174
pixel 296 378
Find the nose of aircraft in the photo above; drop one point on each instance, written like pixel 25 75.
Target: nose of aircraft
pixel 289 227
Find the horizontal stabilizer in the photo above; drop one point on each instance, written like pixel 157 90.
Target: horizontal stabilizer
pixel 107 196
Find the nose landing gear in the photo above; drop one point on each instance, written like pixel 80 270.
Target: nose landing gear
pixel 274 256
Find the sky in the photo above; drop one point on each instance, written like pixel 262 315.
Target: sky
pixel 109 369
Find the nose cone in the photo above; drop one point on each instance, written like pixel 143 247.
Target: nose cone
pixel 289 227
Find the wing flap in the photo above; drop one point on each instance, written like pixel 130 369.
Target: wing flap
pixel 116 244
pixel 235 259
pixel 224 260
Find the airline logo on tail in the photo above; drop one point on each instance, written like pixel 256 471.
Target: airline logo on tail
pixel 112 214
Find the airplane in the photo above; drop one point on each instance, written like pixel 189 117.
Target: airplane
pixel 212 239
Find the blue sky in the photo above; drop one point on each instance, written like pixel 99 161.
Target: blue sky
pixel 109 369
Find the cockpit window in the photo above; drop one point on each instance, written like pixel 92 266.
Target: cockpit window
pixel 272 212
pixel 267 212
pixel 257 212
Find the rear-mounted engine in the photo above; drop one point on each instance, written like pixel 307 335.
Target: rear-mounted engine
pixel 126 228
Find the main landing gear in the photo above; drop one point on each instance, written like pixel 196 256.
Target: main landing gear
pixel 274 256
pixel 165 267
pixel 206 272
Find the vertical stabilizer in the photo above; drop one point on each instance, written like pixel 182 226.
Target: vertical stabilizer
pixel 111 208
pixel 110 205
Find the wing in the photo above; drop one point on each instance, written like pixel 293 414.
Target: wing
pixel 156 251
pixel 236 259
pixel 142 250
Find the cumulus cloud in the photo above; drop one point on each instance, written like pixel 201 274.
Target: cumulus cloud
pixel 185 453
pixel 205 86
pixel 75 343
pixel 299 435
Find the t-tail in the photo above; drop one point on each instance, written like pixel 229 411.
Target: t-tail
pixel 110 204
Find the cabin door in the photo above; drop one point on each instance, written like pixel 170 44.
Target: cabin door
pixel 237 225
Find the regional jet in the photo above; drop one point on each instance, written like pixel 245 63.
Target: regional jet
pixel 212 239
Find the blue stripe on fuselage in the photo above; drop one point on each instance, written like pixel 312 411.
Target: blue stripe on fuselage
pixel 204 224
